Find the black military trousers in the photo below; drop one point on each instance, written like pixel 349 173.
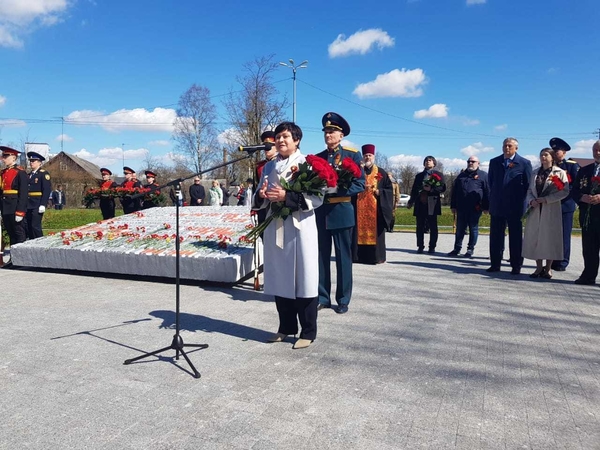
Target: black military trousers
pixel 107 206
pixel 293 309
pixel 16 230
pixel 34 223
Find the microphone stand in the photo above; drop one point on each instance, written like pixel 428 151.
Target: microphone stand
pixel 177 343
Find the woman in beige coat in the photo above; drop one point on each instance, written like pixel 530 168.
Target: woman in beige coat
pixel 543 230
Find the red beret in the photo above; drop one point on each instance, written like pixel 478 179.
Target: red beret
pixel 105 171
pixel 149 173
pixel 9 151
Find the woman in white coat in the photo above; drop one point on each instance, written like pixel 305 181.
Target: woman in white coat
pixel 543 230
pixel 291 266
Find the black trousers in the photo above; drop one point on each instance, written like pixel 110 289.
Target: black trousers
pixel 107 206
pixel 293 309
pixel 16 231
pixel 422 221
pixel 34 223
pixel 498 226
pixel 590 242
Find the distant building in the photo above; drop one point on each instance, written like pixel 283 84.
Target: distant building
pixel 75 174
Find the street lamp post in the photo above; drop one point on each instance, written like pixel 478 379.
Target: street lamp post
pixel 294 67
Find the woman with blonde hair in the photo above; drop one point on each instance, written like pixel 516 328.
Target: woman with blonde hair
pixel 215 194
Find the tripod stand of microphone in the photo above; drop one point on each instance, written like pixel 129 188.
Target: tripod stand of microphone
pixel 177 343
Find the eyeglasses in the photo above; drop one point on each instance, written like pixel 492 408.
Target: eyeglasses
pixel 472 162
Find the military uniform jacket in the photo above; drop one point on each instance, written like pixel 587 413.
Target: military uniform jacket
pixel 13 185
pixel 40 189
pixel 583 185
pixel 340 215
pixel 568 205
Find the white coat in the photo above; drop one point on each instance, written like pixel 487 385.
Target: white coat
pixel 292 270
pixel 543 229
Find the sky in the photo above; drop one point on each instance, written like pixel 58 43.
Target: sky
pixel 448 78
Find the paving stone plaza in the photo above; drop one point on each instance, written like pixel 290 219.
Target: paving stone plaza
pixel 434 353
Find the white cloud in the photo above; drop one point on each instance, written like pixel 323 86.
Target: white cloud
pixel 160 143
pixel 139 119
pixel 360 42
pixel 534 159
pixel 476 2
pixel 582 148
pixel 2 100
pixel 18 17
pixel 230 137
pixel 476 149
pixel 13 123
pixel 435 111
pixel 64 137
pixel 470 122
pixel 406 160
pixel 397 83
pixel 346 143
pixel 501 127
pixel 109 156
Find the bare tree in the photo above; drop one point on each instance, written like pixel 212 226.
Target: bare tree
pixel 254 107
pixel 194 128
pixel 382 161
pixel 406 177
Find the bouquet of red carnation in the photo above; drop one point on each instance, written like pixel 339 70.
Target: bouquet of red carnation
pixel 347 172
pixel 434 180
pixel 310 178
pixel 556 185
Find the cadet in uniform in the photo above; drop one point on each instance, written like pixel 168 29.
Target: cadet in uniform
pixel 13 196
pixel 131 182
pixel 567 204
pixel 335 218
pixel 150 177
pixel 268 137
pixel 40 189
pixel 107 201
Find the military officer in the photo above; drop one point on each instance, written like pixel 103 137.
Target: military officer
pixel 336 219
pixel 150 177
pixel 40 189
pixel 107 201
pixel 131 182
pixel 13 196
pixel 567 204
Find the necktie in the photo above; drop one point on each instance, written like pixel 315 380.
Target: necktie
pixel 597 170
pixel 506 162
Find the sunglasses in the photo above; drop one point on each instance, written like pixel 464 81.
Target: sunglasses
pixel 472 162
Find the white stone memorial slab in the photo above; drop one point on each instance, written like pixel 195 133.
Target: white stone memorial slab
pixel 143 243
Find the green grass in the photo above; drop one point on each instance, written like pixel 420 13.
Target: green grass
pixel 70 218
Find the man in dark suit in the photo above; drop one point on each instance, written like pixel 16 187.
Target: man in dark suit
pixel 335 218
pixel 425 196
pixel 586 192
pixel 40 189
pixel 58 198
pixel 508 180
pixel 197 193
pixel 567 204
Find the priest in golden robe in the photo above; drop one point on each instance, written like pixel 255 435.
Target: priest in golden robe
pixel 374 212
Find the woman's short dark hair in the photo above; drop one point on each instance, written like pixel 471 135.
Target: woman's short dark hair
pixel 431 158
pixel 551 153
pixel 294 130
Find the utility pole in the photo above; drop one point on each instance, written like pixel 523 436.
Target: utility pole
pixel 294 67
pixel 123 153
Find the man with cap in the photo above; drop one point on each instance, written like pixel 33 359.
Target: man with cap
pixel 567 204
pixel 374 212
pixel 40 189
pixel 131 182
pixel 150 184
pixel 268 139
pixel 586 192
pixel 13 196
pixel 107 201
pixel 335 218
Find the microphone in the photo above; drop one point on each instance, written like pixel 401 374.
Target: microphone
pixel 255 148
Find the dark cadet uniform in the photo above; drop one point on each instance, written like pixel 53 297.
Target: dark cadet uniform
pixel 40 189
pixel 150 203
pixel 335 221
pixel 130 204
pixel 13 199
pixel 589 220
pixel 567 204
pixel 268 137
pixel 107 201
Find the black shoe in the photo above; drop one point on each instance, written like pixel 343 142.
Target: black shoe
pixel 515 271
pixel 453 253
pixel 559 268
pixel 493 269
pixel 536 274
pixel 420 250
pixel 341 309
pixel 431 250
pixel 468 255
pixel 322 306
pixel 544 274
pixel 584 281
